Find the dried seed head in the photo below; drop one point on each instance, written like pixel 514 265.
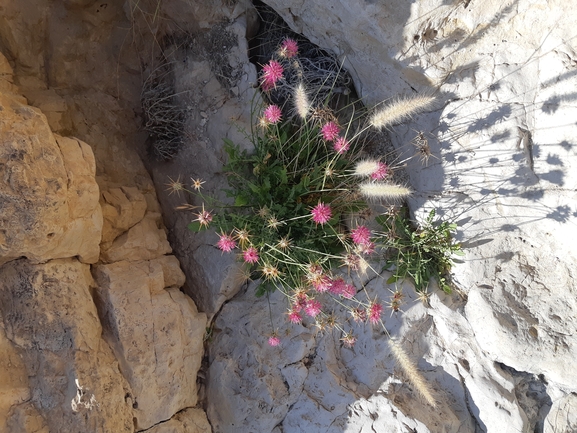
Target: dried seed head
pixel 400 110
pixel 383 190
pixel 301 101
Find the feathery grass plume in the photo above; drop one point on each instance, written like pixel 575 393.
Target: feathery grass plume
pixel 301 101
pixel 412 373
pixel 400 110
pixel 378 190
pixel 366 168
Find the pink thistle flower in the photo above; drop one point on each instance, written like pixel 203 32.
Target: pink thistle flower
pixel 352 261
pixel 294 317
pixel 349 291
pixel 204 217
pixel 367 249
pixel 313 307
pixel 349 339
pixel 226 243
pixel 273 341
pixel 300 301
pixel 374 312
pixel 250 255
pixel 271 73
pixel 381 171
pixel 337 286
pixel 330 131
pixel 359 315
pixel 321 213
pixel 322 283
pixel 341 145
pixel 272 114
pixel 361 235
pixel 289 48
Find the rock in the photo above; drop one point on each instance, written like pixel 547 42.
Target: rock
pixel 122 208
pixel 50 198
pixel 14 387
pixel 144 241
pixel 156 335
pixel 49 316
pixel 186 421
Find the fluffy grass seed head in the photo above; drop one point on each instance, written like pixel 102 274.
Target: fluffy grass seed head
pixel 301 101
pixel 383 190
pixel 400 110
pixel 412 373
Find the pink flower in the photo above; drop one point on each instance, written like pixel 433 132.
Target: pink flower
pixel 272 114
pixel 271 73
pixel 250 255
pixel 381 171
pixel 337 286
pixel 349 291
pixel 367 249
pixel 294 317
pixel 300 301
pixel 359 315
pixel 330 131
pixel 289 48
pixel 341 145
pixel 313 307
pixel 349 340
pixel 321 213
pixel 204 217
pixel 322 283
pixel 374 312
pixel 361 235
pixel 274 341
pixel 226 243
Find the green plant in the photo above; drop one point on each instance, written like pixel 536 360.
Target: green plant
pixel 420 253
pixel 297 205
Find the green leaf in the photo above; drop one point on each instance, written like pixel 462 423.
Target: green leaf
pixel 393 279
pixel 240 200
pixel 196 226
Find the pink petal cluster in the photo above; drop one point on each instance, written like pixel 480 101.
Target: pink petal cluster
pixel 250 255
pixel 322 283
pixel 272 114
pixel 349 340
pixel 204 217
pixel 330 131
pixel 300 301
pixel 271 73
pixel 321 213
pixel 367 248
pixel 226 243
pixel 274 341
pixel 294 317
pixel 381 171
pixel 374 312
pixel 313 307
pixel 361 235
pixel 359 315
pixel 289 48
pixel 341 145
pixel 341 288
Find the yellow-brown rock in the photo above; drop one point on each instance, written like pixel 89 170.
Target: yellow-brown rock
pixel 48 194
pixel 156 335
pixel 49 315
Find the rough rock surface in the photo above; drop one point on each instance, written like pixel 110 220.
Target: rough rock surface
pixel 156 335
pixel 58 374
pixel 50 318
pixel 49 193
